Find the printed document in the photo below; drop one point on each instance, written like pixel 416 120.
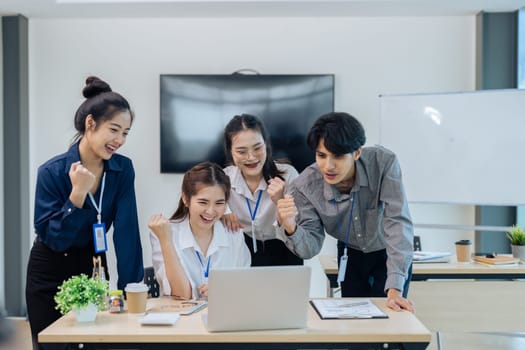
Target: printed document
pixel 347 308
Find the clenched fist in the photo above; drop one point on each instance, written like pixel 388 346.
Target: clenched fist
pixel 161 227
pixel 286 211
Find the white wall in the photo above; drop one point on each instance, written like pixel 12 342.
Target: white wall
pixel 369 56
pixel 442 240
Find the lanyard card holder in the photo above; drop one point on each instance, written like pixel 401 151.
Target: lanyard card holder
pixel 99 229
pixel 342 268
pixel 99 238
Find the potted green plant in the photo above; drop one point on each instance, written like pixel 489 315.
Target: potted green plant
pixel 517 242
pixel 84 295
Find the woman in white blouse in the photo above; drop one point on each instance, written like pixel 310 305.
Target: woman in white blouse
pixel 258 182
pixel 194 241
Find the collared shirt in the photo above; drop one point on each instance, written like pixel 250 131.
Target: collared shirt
pixel 266 219
pixel 226 250
pixel 381 218
pixel 61 226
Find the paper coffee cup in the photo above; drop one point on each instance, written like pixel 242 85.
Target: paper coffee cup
pixel 136 296
pixel 463 249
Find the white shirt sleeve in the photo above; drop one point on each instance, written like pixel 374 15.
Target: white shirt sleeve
pixel 158 265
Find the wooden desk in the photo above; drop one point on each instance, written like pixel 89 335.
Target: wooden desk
pixel 469 305
pixel 477 340
pixel 450 270
pixel 402 330
pixel 471 270
pixel 461 297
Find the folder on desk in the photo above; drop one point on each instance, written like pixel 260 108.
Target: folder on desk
pixel 345 308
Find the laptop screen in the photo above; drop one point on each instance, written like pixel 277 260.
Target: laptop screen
pixel 270 297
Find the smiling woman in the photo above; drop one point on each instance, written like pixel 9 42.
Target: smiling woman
pixel 79 194
pixel 193 241
pixel 258 182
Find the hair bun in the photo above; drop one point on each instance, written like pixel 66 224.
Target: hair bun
pixel 95 86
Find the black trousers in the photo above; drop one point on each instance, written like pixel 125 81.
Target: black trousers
pixel 271 252
pixel 46 270
pixel 366 273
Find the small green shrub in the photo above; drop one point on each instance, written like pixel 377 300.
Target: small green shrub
pixel 516 235
pixel 79 291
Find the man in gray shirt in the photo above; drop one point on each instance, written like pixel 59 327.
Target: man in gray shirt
pixel 356 195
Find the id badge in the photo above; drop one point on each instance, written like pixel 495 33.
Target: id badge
pixel 342 268
pixel 99 238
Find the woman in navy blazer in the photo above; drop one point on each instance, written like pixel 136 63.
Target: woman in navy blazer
pixel 80 194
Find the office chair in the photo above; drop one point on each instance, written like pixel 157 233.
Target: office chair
pixel 417 243
pixel 151 282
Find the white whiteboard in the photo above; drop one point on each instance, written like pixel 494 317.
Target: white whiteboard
pixel 465 148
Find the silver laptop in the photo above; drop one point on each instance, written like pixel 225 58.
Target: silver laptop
pixel 270 297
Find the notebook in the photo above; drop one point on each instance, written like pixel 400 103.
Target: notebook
pixel 269 297
pixel 497 260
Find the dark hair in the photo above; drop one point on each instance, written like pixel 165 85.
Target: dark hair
pixel 101 103
pixel 245 122
pixel 201 175
pixel 341 133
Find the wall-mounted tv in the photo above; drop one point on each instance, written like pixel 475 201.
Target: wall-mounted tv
pixel 194 109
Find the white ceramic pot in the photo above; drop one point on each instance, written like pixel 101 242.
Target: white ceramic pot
pixel 86 314
pixel 518 251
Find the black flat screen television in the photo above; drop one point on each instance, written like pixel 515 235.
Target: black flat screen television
pixel 194 109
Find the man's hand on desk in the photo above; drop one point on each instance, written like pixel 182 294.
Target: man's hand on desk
pixel 396 302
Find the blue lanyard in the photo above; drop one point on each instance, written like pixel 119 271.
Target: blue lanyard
pixel 340 222
pixel 98 207
pixel 202 264
pixel 252 214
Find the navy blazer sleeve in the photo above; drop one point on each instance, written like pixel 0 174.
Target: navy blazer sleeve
pixel 126 235
pixel 59 224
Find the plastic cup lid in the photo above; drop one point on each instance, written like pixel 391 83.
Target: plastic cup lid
pixel 136 287
pixel 464 242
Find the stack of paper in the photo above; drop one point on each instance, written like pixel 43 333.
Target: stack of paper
pixel 160 319
pixel 423 256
